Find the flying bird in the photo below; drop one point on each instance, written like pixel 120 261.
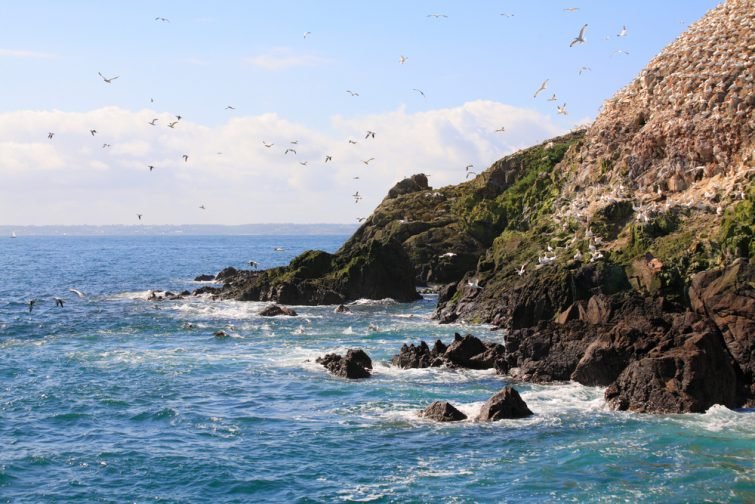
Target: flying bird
pixel 164 20
pixel 153 121
pixel 289 150
pixel 186 158
pixel 571 9
pixel 106 145
pixel 173 124
pixel 419 91
pixel 470 172
pixel 506 14
pixel 151 167
pixel 623 32
pixel 475 284
pixel 620 51
pixel 353 142
pixel 542 87
pixel 31 304
pixel 352 93
pixel 356 197
pixel 295 142
pixel 466 168
pixel 178 117
pixel 553 98
pixel 520 271
pixel 500 130
pixel 328 158
pixel 370 134
pixel 402 59
pixel 367 161
pixel 579 39
pixel 561 109
pixel 303 163
pixel 268 145
pixel 436 16
pixel 230 107
pixel 253 264
pixel 58 302
pixel 139 216
pixel 108 80
pixel 93 131
pixel 50 135
pixel 360 219
pixel 77 292
pixel 584 69
pixel 306 34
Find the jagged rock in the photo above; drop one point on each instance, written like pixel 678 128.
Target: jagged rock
pixel 220 334
pixel 464 352
pixel 687 378
pixel 204 278
pixel 601 364
pixel 275 310
pixel 442 411
pixel 356 364
pixel 598 310
pixel 420 356
pixel 505 404
pixel 207 289
pixel 342 309
pixel 226 273
pixel 463 349
pixel 409 185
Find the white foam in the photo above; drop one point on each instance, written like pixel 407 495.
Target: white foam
pixel 374 302
pixel 721 419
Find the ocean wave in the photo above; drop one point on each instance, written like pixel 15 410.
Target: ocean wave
pixel 720 419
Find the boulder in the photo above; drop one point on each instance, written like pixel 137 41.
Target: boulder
pixel 442 411
pixel 274 310
pixel 220 334
pixel 419 356
pixel 463 349
pixel 690 377
pixel 408 185
pixel 226 274
pixel 356 364
pixel 342 309
pixel 204 278
pixel 505 404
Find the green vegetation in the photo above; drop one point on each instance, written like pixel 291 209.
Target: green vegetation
pixel 738 227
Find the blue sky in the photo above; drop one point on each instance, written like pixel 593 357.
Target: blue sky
pixel 477 68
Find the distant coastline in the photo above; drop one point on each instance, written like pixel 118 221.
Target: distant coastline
pixel 179 230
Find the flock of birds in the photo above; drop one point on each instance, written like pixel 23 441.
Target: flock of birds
pixel 291 148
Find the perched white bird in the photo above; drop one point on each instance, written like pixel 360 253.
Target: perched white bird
pixel 579 39
pixel 578 256
pixel 253 264
pixel 545 259
pixel 520 271
pixel 448 254
pixel 475 284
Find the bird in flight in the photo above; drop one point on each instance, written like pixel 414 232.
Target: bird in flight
pixel 561 109
pixel 108 80
pixel 289 150
pixel 202 207
pixel 579 39
pixel 303 163
pixel 173 124
pixel 151 167
pixel 268 145
pixel 77 292
pixel 620 51
pixel 436 16
pixel 370 134
pixel 419 91
pixel 542 88
pixel 352 93
pixel 306 34
pixel 367 161
pixel 58 302
pixel 164 20
pixel 50 135
pixel 352 142
pixel 623 32
pixel 553 98
pixel 186 158
pixel 328 158
pixel 31 304
pixel 468 167
pixel 153 122
pixel 356 197
pixel 295 142
pixel 93 131
pixel 360 219
pixel 571 9
pixel 230 107
pixel 178 117
pixel 500 130
pixel 520 271
pixel 106 145
pixel 402 59
pixel 470 172
pixel 506 14
pixel 584 69
pixel 139 216
pixel 253 264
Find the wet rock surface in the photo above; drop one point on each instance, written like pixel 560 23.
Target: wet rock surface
pixel 505 404
pixel 442 411
pixel 355 364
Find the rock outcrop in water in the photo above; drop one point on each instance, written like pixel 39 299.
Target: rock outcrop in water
pixel 442 411
pixel 505 404
pixel 356 364
pixel 467 352
pixel 617 256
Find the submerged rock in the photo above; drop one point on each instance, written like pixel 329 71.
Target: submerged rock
pixel 342 309
pixel 356 364
pixel 464 352
pixel 275 310
pixel 204 278
pixel 505 404
pixel 442 411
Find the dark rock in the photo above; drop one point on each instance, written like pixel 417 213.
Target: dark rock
pixel 342 309
pixel 207 289
pixel 411 356
pixel 442 411
pixel 687 378
pixel 275 310
pixel 355 365
pixel 204 278
pixel 220 334
pixel 601 364
pixel 505 404
pixel 226 274
pixel 463 349
pixel 409 185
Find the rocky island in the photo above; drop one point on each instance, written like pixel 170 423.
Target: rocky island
pixel 618 255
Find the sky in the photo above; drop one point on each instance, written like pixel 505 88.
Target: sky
pixel 288 70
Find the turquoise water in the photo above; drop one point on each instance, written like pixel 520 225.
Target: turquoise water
pixel 114 398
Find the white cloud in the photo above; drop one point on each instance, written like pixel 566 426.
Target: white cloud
pixel 231 172
pixel 282 58
pixel 22 53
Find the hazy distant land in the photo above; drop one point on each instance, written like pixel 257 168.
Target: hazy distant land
pixel 179 230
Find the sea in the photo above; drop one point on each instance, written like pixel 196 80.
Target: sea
pixel 116 398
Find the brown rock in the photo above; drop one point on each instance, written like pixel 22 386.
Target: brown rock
pixel 355 365
pixel 505 404
pixel 274 310
pixel 443 411
pixel 598 309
